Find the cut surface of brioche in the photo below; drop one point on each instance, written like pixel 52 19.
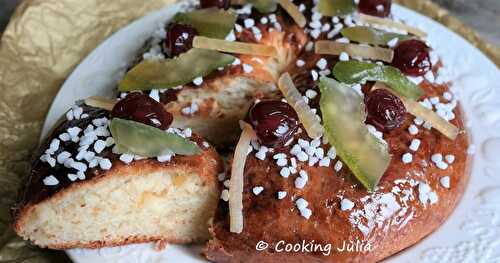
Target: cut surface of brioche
pixel 136 203
pixel 222 103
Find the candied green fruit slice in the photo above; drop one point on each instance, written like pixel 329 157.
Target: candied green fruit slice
pixel 264 6
pixel 352 72
pixel 209 22
pixel 336 7
pixel 120 149
pixel 162 74
pixel 144 140
pixel 364 34
pixel 344 121
pixel 373 20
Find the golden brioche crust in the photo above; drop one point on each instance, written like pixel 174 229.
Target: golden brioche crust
pixel 271 220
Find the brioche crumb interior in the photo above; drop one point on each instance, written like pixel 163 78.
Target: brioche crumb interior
pixel 222 104
pixel 160 205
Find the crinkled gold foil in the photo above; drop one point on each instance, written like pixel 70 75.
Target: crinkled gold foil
pixel 44 41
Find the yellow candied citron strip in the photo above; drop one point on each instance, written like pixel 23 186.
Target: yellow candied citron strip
pixel 100 102
pixel 336 48
pixel 416 109
pixel 234 47
pixel 236 182
pixel 294 12
pixel 310 121
pixel 373 20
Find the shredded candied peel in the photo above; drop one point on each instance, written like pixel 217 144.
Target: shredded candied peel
pixel 234 47
pixel 308 118
pixel 294 12
pixel 236 182
pixel 416 109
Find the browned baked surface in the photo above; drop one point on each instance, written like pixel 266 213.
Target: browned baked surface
pixel 271 220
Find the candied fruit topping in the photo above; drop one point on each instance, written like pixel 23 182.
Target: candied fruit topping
pixel 380 8
pixel 223 4
pixel 412 57
pixel 274 122
pixel 385 110
pixel 179 39
pixel 142 108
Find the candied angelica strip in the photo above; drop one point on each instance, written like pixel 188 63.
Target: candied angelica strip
pixel 169 73
pixel 369 35
pixel 336 48
pixel 144 140
pixel 373 20
pixel 344 120
pixel 353 72
pixel 336 7
pixel 264 6
pixel 209 22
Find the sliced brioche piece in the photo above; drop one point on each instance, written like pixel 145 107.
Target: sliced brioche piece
pixel 144 200
pixel 221 103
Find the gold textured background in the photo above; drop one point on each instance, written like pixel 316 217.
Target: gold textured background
pixel 40 47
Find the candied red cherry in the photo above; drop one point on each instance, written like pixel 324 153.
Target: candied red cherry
pixel 223 4
pixel 142 108
pixel 274 121
pixel 385 110
pixel 412 57
pixel 380 8
pixel 179 39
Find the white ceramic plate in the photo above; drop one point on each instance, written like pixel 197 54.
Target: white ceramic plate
pixel 472 233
